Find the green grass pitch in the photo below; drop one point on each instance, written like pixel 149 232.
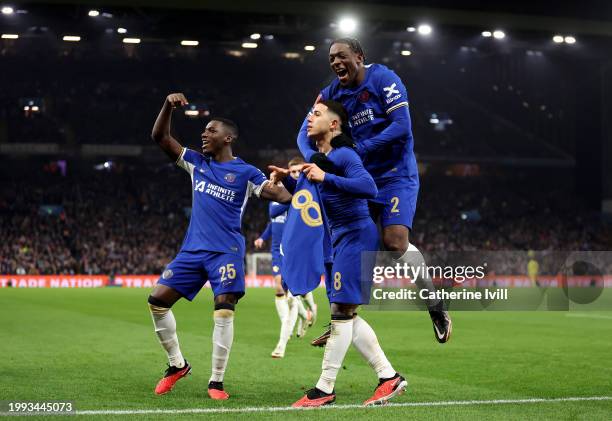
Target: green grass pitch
pixel 97 348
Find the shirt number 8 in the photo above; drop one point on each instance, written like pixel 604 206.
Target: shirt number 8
pixel 303 202
pixel 337 281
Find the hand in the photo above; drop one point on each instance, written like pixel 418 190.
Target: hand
pixel 177 100
pixel 314 173
pixel 277 174
pixel 259 243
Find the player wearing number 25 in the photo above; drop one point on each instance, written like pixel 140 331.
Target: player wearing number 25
pixel 345 186
pixel 213 248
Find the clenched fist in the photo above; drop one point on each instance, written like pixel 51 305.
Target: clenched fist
pixel 177 100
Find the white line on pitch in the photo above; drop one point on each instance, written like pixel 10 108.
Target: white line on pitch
pixel 589 316
pixel 332 407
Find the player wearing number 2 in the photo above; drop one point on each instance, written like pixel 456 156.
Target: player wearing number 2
pixel 213 248
pixel 345 186
pixel 377 104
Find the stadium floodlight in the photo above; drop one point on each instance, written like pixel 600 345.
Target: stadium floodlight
pixel 269 37
pixel 424 29
pixel 71 38
pixel 121 30
pixel 7 10
pixel 406 52
pixel 411 29
pixel 558 39
pixel 309 47
pixel 347 25
pixel 10 36
pixel 291 55
pixel 570 40
pixel 486 34
pixel 93 13
pixel 189 43
pixel 131 40
pixel 498 34
pixel 255 36
pixel 249 45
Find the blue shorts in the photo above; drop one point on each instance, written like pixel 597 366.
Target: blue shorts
pixel 398 198
pixel 349 279
pixel 276 262
pixel 190 270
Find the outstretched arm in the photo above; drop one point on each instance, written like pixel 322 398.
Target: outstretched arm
pixel 274 192
pixel 161 129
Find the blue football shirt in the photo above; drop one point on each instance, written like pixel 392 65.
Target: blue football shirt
pixel 278 216
pixel 345 195
pixel 220 191
pixel 369 107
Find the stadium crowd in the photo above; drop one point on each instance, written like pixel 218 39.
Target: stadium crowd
pixel 132 219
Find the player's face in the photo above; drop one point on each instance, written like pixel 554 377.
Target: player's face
pixel 319 121
pixel 214 137
pixel 345 63
pixel 295 170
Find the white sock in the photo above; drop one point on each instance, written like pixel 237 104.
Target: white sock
pixel 289 321
pixel 335 350
pixel 301 309
pixel 310 302
pixel 366 342
pixel 223 336
pixel 281 307
pixel 165 328
pixel 414 258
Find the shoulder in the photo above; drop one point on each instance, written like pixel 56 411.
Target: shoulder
pixel 191 156
pixel 382 74
pixel 330 90
pixel 344 156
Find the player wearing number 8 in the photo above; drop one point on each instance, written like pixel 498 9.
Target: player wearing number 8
pixel 213 248
pixel 344 187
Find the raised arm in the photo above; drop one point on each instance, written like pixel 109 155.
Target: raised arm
pixel 304 144
pixel 161 129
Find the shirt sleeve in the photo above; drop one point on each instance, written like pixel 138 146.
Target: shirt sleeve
pixel 392 92
pixel 188 160
pixel 277 209
pixel 257 181
pixel 306 147
pixel 357 180
pixel 267 232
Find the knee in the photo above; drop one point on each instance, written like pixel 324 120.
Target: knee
pixel 396 241
pixel 157 304
pixel 342 311
pixel 225 305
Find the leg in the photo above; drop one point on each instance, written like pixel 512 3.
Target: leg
pixel 222 340
pixel 160 301
pixel 312 306
pixel 162 298
pixel 226 276
pixel 287 326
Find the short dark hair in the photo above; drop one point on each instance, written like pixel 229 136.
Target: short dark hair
pixel 229 125
pixel 338 109
pixel 353 44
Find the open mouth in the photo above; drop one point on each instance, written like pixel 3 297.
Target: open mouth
pixel 342 74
